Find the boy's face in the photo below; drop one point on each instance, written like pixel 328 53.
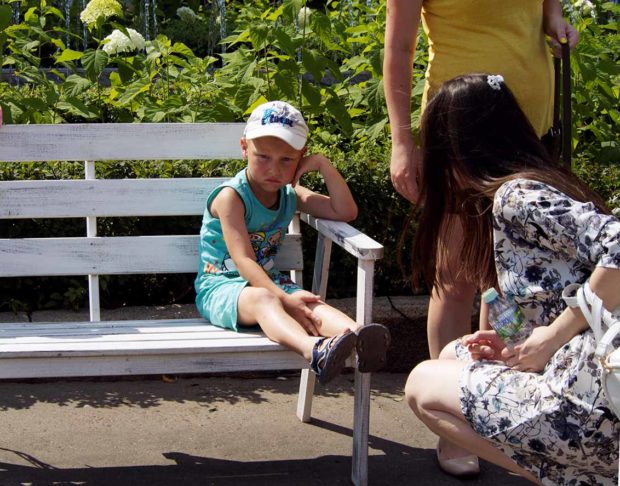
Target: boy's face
pixel 271 162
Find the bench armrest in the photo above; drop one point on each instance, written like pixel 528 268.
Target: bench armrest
pixel 352 240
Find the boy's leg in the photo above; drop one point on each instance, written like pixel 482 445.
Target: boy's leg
pixel 333 321
pixel 439 407
pixel 373 340
pixel 259 306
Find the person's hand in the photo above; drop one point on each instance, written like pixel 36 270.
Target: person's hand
pixel 560 32
pixel 404 168
pixel 310 163
pixel 296 305
pixel 484 345
pixel 534 353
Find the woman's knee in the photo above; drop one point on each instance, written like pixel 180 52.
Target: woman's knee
pixel 423 393
pixel 418 383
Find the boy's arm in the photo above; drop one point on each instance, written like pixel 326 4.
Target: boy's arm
pixel 338 204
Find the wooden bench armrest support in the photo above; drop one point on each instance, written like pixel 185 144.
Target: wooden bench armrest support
pixel 346 236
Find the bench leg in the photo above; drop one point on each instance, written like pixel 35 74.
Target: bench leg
pixel 361 416
pixel 306 390
pixel 361 408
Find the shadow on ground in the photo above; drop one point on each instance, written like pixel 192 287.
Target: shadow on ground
pixel 400 465
pixel 206 391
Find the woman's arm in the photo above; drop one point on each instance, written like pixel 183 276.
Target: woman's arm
pixel 537 350
pixel 401 30
pixel 338 204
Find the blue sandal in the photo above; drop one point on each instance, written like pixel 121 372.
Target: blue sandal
pixel 373 341
pixel 329 355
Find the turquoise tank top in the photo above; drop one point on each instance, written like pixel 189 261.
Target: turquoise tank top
pixel 266 227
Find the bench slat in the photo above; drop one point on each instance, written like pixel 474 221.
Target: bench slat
pixel 19 368
pixel 96 347
pixel 116 255
pixel 120 141
pixel 114 198
pixel 122 334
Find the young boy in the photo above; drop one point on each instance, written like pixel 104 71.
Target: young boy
pixel 244 224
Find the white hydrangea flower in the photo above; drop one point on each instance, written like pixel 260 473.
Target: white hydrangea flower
pixel 303 17
pixel 585 7
pixel 100 8
pixel 118 42
pixel 186 14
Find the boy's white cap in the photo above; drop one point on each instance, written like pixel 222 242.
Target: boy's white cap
pixel 277 119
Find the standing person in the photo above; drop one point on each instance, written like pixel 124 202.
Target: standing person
pixel 505 37
pixel 537 409
pixel 244 224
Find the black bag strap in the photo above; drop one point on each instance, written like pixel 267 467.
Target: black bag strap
pixel 562 104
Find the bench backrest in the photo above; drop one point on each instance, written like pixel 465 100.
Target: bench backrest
pixel 92 198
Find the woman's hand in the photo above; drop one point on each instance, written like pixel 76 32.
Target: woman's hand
pixel 534 353
pixel 296 305
pixel 557 28
pixel 484 345
pixel 405 166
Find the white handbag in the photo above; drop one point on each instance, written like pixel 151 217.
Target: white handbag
pixel 582 296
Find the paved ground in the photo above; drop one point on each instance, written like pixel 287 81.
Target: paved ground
pixel 226 430
pixel 218 430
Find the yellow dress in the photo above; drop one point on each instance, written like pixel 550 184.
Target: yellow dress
pixel 497 36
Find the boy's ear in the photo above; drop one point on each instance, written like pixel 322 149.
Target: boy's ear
pixel 244 147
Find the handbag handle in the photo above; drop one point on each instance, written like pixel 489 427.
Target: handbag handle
pixel 591 306
pixel 562 84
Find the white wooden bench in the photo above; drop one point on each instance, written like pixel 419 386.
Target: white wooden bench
pixel 96 348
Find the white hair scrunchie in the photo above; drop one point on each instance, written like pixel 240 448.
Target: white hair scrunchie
pixel 495 81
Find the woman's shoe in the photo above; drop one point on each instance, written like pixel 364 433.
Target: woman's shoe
pixel 461 467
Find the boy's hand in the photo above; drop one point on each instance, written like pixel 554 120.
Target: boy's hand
pixel 297 307
pixel 308 164
pixel 484 345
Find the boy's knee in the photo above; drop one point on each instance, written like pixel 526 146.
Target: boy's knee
pixel 262 297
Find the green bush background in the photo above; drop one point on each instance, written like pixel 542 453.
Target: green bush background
pixel 330 66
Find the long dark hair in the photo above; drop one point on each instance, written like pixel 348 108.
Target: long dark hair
pixel 474 138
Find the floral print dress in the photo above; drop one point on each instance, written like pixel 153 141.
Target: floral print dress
pixel 557 423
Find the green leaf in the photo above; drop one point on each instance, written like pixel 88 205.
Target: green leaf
pixel 285 42
pixel 76 85
pixel 180 48
pixel 137 87
pixel 76 107
pixel 6 13
pixel 337 109
pixel 312 94
pixel 94 62
pixel 69 55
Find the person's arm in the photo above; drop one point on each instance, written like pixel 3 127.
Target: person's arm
pixel 537 350
pixel 401 30
pixel 229 208
pixel 556 27
pixel 338 204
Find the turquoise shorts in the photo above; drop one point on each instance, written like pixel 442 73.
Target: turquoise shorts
pixel 219 294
